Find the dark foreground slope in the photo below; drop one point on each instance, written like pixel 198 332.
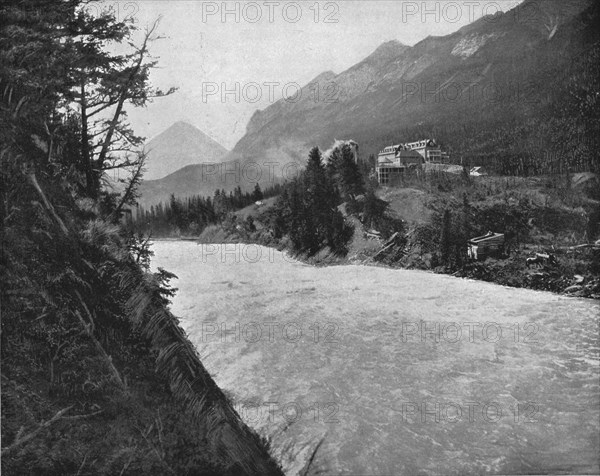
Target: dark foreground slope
pixel 97 375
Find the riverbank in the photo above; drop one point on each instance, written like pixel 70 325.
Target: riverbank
pixel 511 272
pixel 534 218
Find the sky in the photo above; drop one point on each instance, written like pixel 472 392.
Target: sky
pixel 231 58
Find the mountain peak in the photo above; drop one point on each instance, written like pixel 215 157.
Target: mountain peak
pixel 386 52
pixel 179 145
pixel 391 44
pixel 392 47
pixel 182 125
pixel 323 77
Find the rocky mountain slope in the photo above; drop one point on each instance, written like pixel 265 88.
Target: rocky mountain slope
pixel 484 92
pixel 499 69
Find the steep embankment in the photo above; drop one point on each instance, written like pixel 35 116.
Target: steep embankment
pixel 97 375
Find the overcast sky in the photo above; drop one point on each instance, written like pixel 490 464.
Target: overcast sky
pixel 209 48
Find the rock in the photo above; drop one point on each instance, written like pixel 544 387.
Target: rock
pixel 573 289
pixel 578 279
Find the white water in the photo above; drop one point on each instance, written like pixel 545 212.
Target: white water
pixel 367 379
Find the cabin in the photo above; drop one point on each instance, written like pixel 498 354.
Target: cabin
pixel 490 245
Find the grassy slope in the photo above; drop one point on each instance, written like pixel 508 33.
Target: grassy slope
pixel 553 219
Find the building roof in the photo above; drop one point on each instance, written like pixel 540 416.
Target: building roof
pixel 398 151
pixel 422 144
pixel 408 154
pixel 411 146
pixel 390 149
pixel 384 161
pixel 488 237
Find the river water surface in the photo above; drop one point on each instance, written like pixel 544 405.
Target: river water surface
pixel 396 372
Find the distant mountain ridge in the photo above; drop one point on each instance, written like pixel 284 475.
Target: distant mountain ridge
pixel 398 87
pixel 180 145
pixel 437 88
pixel 195 179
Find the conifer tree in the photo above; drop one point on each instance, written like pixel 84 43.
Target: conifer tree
pixel 345 173
pixel 257 194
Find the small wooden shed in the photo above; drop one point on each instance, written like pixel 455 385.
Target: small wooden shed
pixel 490 245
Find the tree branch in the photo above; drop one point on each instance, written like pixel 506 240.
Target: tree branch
pixel 123 95
pixel 33 180
pixel 89 329
pixel 22 440
pixel 131 186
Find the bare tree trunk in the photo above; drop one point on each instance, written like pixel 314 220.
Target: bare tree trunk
pixel 89 329
pixel 123 96
pixel 22 440
pixel 131 186
pixel 90 175
pixel 47 204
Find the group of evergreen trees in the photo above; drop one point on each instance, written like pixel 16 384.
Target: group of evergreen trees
pixel 191 215
pixel 307 211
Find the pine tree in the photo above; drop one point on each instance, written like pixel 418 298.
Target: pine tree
pixel 239 198
pixel 345 173
pixel 257 194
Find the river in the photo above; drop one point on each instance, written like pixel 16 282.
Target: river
pixel 396 372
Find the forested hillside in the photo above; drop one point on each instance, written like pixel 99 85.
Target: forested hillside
pixel 190 216
pixel 335 212
pixel 97 375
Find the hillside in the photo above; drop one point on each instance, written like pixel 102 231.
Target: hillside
pixel 478 90
pixel 180 145
pixel 197 179
pixel 97 375
pixel 537 215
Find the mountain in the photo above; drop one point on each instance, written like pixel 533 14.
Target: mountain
pixel 495 89
pixel 196 179
pixel 180 145
pixel 498 73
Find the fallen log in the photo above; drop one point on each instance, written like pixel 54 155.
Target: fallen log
pixel 392 239
pixel 383 250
